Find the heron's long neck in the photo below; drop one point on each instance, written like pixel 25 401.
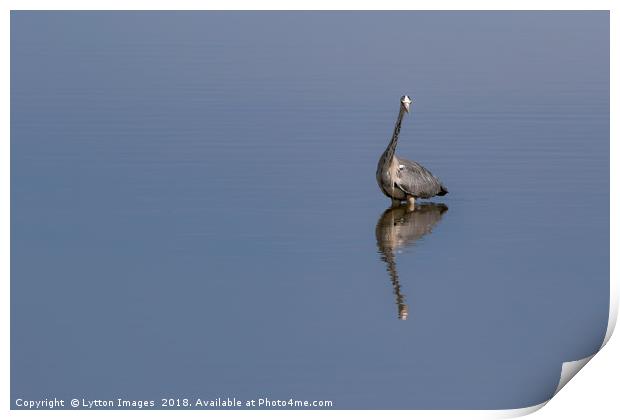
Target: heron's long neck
pixel 391 148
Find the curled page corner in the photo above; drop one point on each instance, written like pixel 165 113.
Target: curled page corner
pixel 570 369
pixel 520 412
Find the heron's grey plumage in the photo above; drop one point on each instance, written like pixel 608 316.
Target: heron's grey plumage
pixel 414 179
pixel 402 179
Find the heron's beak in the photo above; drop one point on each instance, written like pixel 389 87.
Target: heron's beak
pixel 406 105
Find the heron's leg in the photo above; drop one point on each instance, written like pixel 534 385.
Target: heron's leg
pixel 395 203
pixel 411 202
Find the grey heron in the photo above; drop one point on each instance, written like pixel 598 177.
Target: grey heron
pixel 400 227
pixel 402 179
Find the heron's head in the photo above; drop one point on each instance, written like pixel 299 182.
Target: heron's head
pixel 405 101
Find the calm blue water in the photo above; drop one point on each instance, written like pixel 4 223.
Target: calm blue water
pixel 194 211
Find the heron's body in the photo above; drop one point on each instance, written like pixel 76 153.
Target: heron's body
pixel 402 179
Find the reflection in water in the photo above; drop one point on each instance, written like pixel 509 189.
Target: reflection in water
pixel 400 227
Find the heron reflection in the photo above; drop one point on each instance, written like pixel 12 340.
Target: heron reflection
pixel 400 227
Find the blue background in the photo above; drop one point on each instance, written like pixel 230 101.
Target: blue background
pixel 193 205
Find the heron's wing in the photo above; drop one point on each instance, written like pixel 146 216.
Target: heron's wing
pixel 416 180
